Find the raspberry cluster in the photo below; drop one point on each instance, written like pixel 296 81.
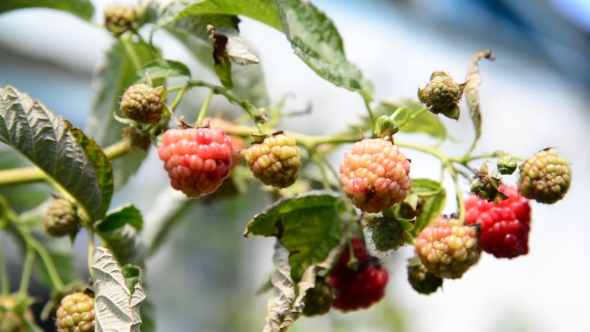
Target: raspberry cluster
pixel 504 226
pixel 442 94
pixel 76 313
pixel 375 175
pixel 420 279
pixel 196 159
pixel 359 287
pixel 447 248
pixel 275 161
pixel 118 18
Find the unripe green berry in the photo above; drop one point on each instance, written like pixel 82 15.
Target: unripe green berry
pixel 442 94
pixel 142 104
pixel 420 279
pixel 61 218
pixel 118 18
pixel 546 177
pixel 387 234
pixel 275 161
pixel 318 300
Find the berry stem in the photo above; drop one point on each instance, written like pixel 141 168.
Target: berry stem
pixel 178 98
pixel 244 104
pixel 320 164
pixel 4 278
pixel 371 114
pixel 458 193
pixel 45 257
pixel 26 276
pixel 204 109
pixel 90 250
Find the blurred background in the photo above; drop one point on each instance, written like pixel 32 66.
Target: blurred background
pixel 535 95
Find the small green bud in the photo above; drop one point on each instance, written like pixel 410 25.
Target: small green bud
pixel 118 18
pixel 507 165
pixel 385 126
pixel 442 94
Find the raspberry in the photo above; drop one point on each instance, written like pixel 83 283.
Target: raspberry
pixel 10 321
pixel 118 18
pixel 137 139
pixel 442 94
pixel 275 161
pixel 237 142
pixel 447 248
pixel 387 234
pixel 375 175
pixel 76 313
pixel 505 226
pixel 61 218
pixel 318 300
pixel 546 177
pixel 361 287
pixel 420 279
pixel 196 159
pixel 141 103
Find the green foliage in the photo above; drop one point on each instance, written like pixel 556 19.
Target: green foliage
pixel 316 41
pixel 161 68
pixel 32 129
pixel 81 8
pixel 412 118
pixel 435 198
pixel 119 231
pixel 309 226
pixel 472 89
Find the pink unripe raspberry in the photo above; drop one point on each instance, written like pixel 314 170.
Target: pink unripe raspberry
pixel 375 175
pixel 196 159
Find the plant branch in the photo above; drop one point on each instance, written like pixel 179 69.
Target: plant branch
pixel 90 250
pixel 178 98
pixel 204 109
pixel 4 278
pixel 458 193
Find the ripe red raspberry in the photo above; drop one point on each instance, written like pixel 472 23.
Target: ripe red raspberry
pixel 447 248
pixel 361 287
pixel 505 226
pixel 196 159
pixel 375 175
pixel 545 177
pixel 275 161
pixel 76 313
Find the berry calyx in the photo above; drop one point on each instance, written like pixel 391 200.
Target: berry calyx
pixel 118 18
pixel 142 103
pixel 318 300
pixel 361 286
pixel 375 175
pixel 420 279
pixel 197 159
pixel 76 313
pixel 546 177
pixel 387 234
pixel 504 226
pixel 61 218
pixel 447 248
pixel 275 161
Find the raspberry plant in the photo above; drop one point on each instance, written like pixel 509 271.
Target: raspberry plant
pixel 320 215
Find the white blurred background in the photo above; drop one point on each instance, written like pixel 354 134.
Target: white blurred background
pixel 535 95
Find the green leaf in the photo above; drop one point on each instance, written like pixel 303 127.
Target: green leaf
pixel 112 77
pixel 308 225
pixel 119 231
pixel 102 165
pixel 223 71
pixel 132 275
pixel 435 199
pixel 81 8
pixel 264 11
pixel 415 120
pixel 161 69
pixel 116 307
pixel 474 80
pixel 33 130
pixel 315 39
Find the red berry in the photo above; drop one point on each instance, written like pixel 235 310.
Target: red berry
pixel 505 226
pixel 196 159
pixel 375 175
pixel 361 287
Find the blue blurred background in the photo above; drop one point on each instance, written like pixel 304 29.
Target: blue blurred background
pixel 535 95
